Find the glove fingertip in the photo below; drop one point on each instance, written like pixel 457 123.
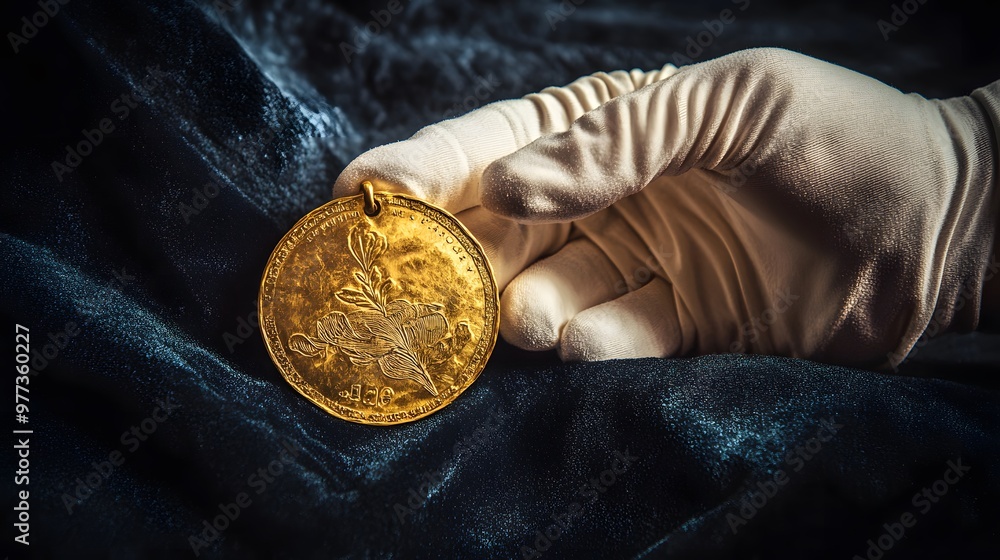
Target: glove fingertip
pixel 390 168
pixel 345 185
pixel 530 187
pixel 508 192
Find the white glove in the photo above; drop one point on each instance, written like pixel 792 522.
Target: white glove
pixel 764 201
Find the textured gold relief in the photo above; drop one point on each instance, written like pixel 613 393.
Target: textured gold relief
pixel 402 337
pixel 365 307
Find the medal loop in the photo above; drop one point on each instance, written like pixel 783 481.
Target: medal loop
pixel 372 207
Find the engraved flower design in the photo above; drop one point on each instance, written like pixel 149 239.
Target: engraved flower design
pixel 401 337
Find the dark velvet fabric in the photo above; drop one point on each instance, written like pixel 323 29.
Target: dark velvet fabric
pixel 137 272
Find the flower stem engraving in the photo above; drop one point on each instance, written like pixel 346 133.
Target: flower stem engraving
pixel 403 338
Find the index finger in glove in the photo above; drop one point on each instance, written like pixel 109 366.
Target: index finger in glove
pixel 443 163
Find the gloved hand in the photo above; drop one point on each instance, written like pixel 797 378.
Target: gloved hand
pixel 764 201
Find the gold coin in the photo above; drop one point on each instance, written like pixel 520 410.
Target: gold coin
pixel 379 319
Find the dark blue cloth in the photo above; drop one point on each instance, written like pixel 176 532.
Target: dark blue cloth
pixel 156 152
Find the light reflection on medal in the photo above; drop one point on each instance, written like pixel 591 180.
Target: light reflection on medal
pixel 379 308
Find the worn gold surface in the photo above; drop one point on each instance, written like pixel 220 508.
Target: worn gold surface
pixel 379 319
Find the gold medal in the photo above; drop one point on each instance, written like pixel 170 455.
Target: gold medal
pixel 380 308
